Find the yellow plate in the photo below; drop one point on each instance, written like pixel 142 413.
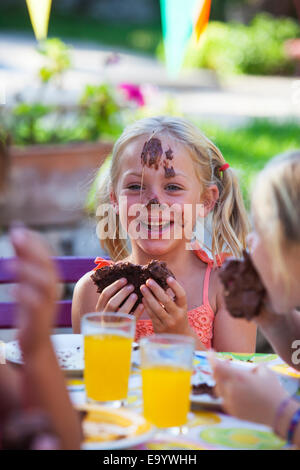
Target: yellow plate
pixel 107 428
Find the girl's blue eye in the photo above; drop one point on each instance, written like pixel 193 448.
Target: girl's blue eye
pixel 173 187
pixel 134 187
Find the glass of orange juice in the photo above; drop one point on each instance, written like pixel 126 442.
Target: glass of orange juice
pixel 108 341
pixel 167 364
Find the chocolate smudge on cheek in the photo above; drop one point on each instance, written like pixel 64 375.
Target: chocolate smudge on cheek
pixel 152 153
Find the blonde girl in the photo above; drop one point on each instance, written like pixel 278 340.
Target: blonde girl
pixel 275 251
pixel 161 163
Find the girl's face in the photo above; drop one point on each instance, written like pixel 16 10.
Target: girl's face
pixel 282 299
pixel 158 206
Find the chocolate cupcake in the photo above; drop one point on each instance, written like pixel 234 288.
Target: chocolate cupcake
pixel 244 292
pixel 135 274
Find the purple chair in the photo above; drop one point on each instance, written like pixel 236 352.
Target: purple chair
pixel 71 269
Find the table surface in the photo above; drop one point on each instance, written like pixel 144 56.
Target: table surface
pixel 206 429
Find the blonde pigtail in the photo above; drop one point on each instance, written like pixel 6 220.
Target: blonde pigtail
pixel 230 221
pixel 115 245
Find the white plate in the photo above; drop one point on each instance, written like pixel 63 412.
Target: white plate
pixel 203 374
pixel 206 401
pixel 68 348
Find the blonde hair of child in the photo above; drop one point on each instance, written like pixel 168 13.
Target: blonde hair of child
pixel 276 207
pixel 229 219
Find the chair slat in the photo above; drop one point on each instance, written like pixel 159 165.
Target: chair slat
pixel 8 314
pixel 6 276
pixel 70 269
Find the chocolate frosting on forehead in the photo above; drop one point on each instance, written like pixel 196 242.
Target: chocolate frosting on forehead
pixel 169 154
pixel 169 172
pixel 152 153
pixel 152 156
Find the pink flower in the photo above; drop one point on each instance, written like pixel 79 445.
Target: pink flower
pixel 133 93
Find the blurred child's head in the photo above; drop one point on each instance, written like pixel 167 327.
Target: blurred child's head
pixel 275 241
pixel 188 174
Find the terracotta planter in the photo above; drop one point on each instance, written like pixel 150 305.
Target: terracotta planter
pixel 49 184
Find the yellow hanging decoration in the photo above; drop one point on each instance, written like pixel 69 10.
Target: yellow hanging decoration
pixel 39 12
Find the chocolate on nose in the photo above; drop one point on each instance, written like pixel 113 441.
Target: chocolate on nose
pixel 152 201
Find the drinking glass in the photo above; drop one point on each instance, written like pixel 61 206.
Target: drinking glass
pixel 167 364
pixel 108 341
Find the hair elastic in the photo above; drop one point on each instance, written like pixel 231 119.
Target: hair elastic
pixel 224 167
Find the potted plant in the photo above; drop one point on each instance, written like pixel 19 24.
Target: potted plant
pixel 55 148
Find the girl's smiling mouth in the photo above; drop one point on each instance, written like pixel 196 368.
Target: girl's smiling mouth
pixel 156 226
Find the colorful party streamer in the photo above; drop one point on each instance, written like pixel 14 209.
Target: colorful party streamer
pixel 203 17
pixel 179 19
pixel 39 12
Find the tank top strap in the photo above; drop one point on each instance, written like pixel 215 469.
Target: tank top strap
pixel 201 254
pixel 206 285
pixel 102 262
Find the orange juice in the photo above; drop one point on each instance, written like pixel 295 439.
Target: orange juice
pixel 107 360
pixel 166 395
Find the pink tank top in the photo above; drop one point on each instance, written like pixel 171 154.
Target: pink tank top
pixel 200 318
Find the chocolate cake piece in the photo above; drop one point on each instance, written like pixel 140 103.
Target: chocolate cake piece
pixel 135 274
pixel 244 291
pixel 204 389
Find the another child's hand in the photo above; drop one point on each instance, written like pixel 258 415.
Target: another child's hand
pixel 112 297
pixel 36 292
pixel 167 315
pixel 251 395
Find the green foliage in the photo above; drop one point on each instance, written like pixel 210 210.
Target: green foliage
pixel 67 23
pixel 254 49
pixel 248 148
pixel 24 124
pixel 100 112
pixel 57 54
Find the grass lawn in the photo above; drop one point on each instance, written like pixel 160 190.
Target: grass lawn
pixel 248 148
pixel 140 38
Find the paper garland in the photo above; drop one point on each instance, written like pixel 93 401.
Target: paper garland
pixel 203 18
pixel 179 20
pixel 39 12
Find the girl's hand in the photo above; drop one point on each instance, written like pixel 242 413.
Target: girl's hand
pixel 167 315
pixel 112 297
pixel 36 292
pixel 251 395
